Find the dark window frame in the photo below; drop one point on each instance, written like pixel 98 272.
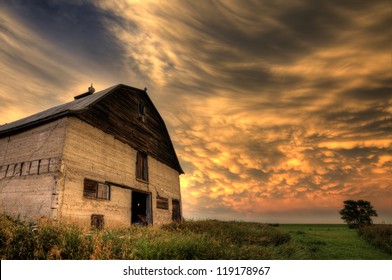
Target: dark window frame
pixel 142 166
pixel 96 190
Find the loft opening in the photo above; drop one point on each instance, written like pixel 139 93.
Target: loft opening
pixel 141 166
pixel 142 111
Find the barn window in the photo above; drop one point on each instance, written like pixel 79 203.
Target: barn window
pixel 162 202
pixel 93 189
pixel 141 166
pixel 97 221
pixel 142 112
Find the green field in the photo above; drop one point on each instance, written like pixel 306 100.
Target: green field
pixel 191 240
pixel 333 242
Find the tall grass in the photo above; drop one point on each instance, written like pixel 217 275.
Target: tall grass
pixel 378 235
pixel 190 240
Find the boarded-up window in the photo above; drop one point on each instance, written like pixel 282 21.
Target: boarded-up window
pixel 25 168
pixel 34 167
pixel 3 171
pixel 162 203
pixel 54 165
pixel 141 166
pixel 10 170
pixel 93 189
pixel 18 169
pixel 44 166
pixel 97 221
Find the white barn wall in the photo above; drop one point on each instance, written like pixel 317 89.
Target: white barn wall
pixel 29 171
pixel 91 153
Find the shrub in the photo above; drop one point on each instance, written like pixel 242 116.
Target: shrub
pixel 378 235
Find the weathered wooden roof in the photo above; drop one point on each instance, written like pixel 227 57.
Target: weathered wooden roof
pixel 53 113
pixel 89 109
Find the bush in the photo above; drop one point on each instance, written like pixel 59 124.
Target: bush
pixel 378 235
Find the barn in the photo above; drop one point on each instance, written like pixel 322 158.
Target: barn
pixel 104 159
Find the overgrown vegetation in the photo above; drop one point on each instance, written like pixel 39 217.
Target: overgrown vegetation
pixel 378 235
pixel 191 240
pixel 203 240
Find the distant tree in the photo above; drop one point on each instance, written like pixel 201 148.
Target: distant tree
pixel 357 213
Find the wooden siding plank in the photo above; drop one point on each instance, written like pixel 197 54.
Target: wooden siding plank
pixel 118 115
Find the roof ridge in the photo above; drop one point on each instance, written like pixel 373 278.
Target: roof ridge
pixel 56 111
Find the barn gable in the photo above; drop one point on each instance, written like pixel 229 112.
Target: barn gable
pixel 125 112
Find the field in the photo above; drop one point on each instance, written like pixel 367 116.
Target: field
pixel 203 240
pixel 334 242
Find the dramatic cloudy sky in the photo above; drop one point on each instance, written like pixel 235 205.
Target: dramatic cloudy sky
pixel 278 110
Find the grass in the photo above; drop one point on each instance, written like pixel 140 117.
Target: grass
pixel 191 240
pixel 334 242
pixel 205 240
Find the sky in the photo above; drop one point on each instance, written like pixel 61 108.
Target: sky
pixel 278 110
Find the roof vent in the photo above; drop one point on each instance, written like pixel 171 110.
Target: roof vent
pixel 91 90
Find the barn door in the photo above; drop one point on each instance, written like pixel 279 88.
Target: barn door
pixel 148 209
pixel 141 208
pixel 176 211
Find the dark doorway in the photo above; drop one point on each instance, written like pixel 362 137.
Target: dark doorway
pixel 176 211
pixel 141 208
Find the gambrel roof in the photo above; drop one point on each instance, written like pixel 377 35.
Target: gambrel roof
pixel 114 111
